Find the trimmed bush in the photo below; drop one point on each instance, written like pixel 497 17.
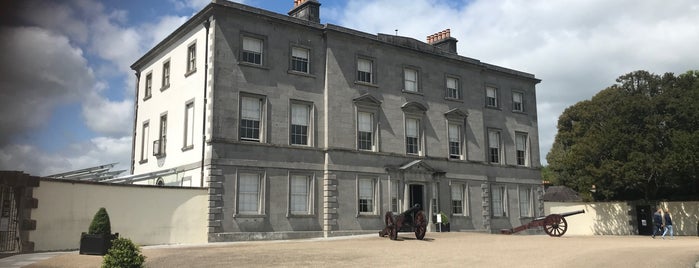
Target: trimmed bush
pixel 100 223
pixel 123 254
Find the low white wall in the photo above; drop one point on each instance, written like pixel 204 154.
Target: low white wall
pixel 616 218
pixel 145 214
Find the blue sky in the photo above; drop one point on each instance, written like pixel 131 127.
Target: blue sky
pixel 66 90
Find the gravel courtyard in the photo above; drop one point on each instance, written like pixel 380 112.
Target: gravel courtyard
pixel 455 249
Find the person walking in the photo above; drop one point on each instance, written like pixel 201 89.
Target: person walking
pixel 658 221
pixel 668 224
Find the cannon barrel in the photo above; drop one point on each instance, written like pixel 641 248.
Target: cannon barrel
pixel 411 210
pixel 566 214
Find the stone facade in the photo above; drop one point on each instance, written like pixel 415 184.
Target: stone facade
pixel 318 130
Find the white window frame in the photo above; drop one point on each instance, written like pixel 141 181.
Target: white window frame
pixel 255 47
pixel 362 69
pixel 191 58
pixel 145 141
pixel 518 101
pixel 462 196
pixel 495 142
pixel 458 138
pixel 166 75
pixel 411 80
pixel 188 141
pixel 526 202
pixel 362 128
pixel 247 116
pixel 491 97
pixel 162 134
pixel 307 194
pixel 259 194
pixel 499 200
pixel 148 86
pixel 522 148
pixel 418 129
pixel 364 181
pixel 300 60
pixel 455 88
pixel 296 120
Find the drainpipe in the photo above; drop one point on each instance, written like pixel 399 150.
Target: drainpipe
pixel 206 78
pixel 135 126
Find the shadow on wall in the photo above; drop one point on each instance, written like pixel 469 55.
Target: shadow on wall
pixel 685 217
pixel 612 219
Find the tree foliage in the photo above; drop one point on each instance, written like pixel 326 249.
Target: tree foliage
pixel 638 139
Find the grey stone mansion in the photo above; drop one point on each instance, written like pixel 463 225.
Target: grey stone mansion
pixel 303 129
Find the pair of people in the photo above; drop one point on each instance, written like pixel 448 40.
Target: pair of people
pixel 663 223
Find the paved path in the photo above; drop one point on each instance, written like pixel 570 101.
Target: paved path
pixel 438 249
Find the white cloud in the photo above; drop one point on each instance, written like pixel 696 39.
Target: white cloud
pixel 112 118
pixel 97 151
pixel 51 73
pixel 576 48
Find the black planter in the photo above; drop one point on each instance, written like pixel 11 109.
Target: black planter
pixel 443 227
pixel 96 244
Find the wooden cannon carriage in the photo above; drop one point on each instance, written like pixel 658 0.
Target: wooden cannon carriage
pixel 412 220
pixel 554 224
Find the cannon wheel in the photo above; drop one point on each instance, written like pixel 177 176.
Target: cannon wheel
pixel 555 225
pixel 391 226
pixel 420 225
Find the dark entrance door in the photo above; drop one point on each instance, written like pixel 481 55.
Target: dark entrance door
pixel 417 195
pixel 644 220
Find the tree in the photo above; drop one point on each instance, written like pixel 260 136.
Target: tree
pixel 634 140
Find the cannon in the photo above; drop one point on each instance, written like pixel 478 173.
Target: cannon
pixel 554 224
pixel 413 220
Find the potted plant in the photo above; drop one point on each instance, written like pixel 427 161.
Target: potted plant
pixel 99 237
pixel 444 226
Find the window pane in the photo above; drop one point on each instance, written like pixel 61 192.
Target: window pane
pixel 250 108
pixel 299 114
pixel 524 202
pixel 454 133
pixel 494 139
pixel 521 142
pixel 252 44
pixel 364 65
pixel 299 53
pixel 517 97
pixel 491 92
pixel 248 193
pixel 365 122
pixel 411 127
pixel 497 202
pixel 366 195
pixel 189 124
pixel 299 191
pixel 410 80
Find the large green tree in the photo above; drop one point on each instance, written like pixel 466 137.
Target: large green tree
pixel 638 139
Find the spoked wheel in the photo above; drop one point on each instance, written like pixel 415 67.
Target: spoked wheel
pixel 420 225
pixel 555 225
pixel 391 226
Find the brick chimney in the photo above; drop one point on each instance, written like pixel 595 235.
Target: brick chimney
pixel 306 10
pixel 443 40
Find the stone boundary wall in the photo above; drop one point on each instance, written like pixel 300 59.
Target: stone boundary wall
pixel 148 215
pixel 619 218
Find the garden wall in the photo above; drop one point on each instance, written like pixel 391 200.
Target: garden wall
pixel 148 215
pixel 620 218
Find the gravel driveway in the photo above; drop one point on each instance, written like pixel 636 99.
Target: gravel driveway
pixel 455 249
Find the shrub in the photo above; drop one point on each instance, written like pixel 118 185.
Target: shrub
pixel 100 223
pixel 445 219
pixel 123 254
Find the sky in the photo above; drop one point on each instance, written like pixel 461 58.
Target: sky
pixel 67 92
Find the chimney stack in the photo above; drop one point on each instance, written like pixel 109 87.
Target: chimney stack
pixel 306 10
pixel 443 40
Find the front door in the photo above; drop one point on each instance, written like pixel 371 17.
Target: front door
pixel 644 220
pixel 417 195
